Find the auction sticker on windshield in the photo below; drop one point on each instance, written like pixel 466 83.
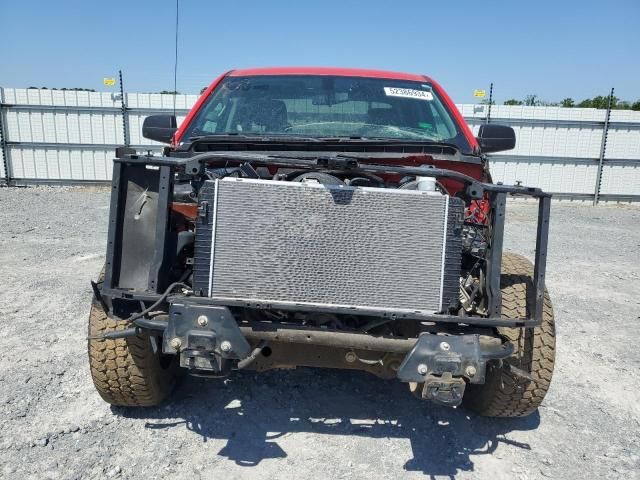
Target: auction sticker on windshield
pixel 408 93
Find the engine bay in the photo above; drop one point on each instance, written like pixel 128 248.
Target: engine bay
pixel 183 190
pixel 472 232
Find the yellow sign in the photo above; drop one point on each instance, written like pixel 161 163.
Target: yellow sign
pixel 109 82
pixel 480 93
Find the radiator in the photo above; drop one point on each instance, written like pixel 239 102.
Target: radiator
pixel 312 247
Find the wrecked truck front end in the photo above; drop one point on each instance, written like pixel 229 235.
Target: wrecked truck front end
pixel 227 268
pixel 322 217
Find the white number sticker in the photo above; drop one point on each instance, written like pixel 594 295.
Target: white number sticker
pixel 408 93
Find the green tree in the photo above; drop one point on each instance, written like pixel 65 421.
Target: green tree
pixel 567 103
pixel 598 102
pixel 531 100
pixel 75 89
pixel 586 103
pixel 635 105
pixel 513 101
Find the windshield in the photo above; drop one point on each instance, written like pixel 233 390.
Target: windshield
pixel 327 106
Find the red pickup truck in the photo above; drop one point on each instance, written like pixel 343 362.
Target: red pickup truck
pixel 321 217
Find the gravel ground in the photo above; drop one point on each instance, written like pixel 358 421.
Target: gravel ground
pixel 311 423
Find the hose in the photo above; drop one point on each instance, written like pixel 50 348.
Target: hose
pixel 245 362
pixel 157 303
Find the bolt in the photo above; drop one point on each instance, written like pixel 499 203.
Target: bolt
pixel 203 320
pixel 175 343
pixel 350 357
pixel 225 346
pixel 470 371
pixel 444 346
pixel 422 369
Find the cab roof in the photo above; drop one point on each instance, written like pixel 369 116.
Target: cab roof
pixel 341 72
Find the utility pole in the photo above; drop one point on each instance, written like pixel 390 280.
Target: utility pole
pixel 603 150
pixel 125 119
pixel 490 102
pixel 3 143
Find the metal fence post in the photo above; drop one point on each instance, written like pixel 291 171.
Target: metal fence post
pixel 603 150
pixel 125 118
pixel 3 142
pixel 490 102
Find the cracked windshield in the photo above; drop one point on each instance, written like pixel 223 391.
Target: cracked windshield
pixel 327 107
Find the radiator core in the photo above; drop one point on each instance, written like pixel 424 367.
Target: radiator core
pixel 333 248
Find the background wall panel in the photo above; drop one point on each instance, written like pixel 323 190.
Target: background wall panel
pixel 70 136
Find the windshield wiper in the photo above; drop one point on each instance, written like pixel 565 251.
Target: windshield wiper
pixel 251 138
pixel 275 137
pixel 420 141
pixel 368 138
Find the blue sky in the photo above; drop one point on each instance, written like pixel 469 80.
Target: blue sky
pixel 555 49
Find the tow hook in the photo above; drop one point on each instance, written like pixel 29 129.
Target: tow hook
pixel 443 364
pixel 206 337
pixel 444 390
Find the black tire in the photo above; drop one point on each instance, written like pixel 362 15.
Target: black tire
pixel 503 394
pixel 128 372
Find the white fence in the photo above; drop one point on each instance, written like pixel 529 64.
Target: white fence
pixel 68 136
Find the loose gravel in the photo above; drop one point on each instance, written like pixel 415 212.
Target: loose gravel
pixel 306 423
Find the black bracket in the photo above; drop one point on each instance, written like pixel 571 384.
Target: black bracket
pixel 204 336
pixel 535 291
pixel 99 298
pixel 337 163
pixel 494 255
pixel 453 356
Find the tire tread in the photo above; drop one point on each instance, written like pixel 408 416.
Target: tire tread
pixel 126 371
pixel 504 395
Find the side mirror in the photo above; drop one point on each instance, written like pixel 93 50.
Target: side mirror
pixel 496 138
pixel 159 128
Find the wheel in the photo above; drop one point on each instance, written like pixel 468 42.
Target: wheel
pixel 128 371
pixel 503 394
